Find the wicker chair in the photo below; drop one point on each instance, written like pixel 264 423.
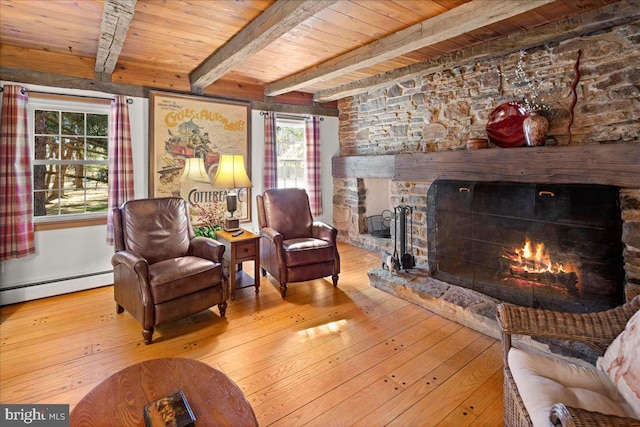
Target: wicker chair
pixel 596 330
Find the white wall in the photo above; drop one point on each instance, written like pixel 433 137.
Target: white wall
pixel 67 260
pixel 329 148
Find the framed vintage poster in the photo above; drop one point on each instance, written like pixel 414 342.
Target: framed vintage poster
pixel 187 136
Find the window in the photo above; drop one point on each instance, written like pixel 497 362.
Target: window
pixel 70 165
pixel 290 142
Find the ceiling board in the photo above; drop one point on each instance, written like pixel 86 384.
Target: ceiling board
pixel 168 40
pixel 396 11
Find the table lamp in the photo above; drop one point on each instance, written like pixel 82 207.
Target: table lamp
pixel 194 170
pixel 231 174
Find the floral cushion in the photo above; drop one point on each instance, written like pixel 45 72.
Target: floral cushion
pixel 621 362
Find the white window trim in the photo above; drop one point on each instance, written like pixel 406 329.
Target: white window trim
pixel 297 122
pixel 36 103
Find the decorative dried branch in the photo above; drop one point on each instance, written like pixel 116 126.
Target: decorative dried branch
pixel 574 95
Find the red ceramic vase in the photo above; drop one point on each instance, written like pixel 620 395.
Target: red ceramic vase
pixel 504 126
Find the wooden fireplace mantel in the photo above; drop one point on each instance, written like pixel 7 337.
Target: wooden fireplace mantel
pixel 607 164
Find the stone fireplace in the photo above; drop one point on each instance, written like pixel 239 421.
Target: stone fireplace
pixel 414 132
pixel 555 168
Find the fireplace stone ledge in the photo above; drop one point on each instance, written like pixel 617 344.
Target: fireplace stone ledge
pixel 461 305
pixel 468 308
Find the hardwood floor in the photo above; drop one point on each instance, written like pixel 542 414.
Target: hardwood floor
pixel 324 356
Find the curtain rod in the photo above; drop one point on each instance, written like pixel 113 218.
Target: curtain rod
pixel 129 100
pixel 289 116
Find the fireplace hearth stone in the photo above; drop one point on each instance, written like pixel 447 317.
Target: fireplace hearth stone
pixel 461 305
pixel 468 308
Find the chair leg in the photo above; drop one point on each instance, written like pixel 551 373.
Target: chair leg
pixel 223 308
pixel 335 280
pixel 147 333
pixel 119 308
pixel 283 289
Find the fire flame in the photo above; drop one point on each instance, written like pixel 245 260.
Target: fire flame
pixel 532 265
pixel 538 261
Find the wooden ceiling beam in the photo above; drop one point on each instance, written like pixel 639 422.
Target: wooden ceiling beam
pixel 222 90
pixel 454 22
pixel 277 20
pixel 573 26
pixel 116 19
pixel 60 81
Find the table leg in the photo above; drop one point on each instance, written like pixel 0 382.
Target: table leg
pixel 256 267
pixel 232 274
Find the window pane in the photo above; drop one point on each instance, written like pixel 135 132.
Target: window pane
pixel 46 122
pixel 300 170
pixel 39 203
pixel 74 177
pixel 44 205
pixel 52 181
pixel 97 124
pixel 97 198
pixel 72 148
pixel 97 148
pixel 46 148
pixel 72 123
pixel 95 175
pixel 72 202
pixel 43 180
pixel 67 178
pixel 40 175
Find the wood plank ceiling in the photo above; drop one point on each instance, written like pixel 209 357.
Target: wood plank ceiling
pixel 286 51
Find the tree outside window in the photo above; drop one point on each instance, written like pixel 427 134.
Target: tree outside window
pixel 291 153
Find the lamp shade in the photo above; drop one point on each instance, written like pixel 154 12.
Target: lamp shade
pixel 194 170
pixel 231 172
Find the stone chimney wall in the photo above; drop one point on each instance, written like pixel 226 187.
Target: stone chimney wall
pixel 440 111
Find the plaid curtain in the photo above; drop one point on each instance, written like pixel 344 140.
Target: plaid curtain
pixel 120 160
pixel 270 152
pixel 16 190
pixel 314 185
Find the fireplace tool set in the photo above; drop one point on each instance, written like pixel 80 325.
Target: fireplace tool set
pixel 402 260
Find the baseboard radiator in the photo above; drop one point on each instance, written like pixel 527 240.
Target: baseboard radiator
pixel 46 288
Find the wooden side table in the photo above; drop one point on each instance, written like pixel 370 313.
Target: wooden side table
pixel 119 400
pixel 238 249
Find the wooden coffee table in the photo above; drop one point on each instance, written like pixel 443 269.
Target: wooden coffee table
pixel 119 400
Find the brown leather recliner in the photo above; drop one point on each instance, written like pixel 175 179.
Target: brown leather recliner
pixel 294 248
pixel 162 272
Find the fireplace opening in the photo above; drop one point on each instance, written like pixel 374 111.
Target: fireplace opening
pixel 377 207
pixel 553 246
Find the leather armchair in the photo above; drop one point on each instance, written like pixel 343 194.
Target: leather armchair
pixel 162 272
pixel 294 248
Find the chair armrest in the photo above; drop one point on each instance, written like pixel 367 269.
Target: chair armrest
pixel 272 235
pixel 324 231
pixel 596 330
pixel 204 247
pixel 562 415
pixel 132 261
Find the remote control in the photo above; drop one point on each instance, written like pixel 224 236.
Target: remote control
pixel 237 233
